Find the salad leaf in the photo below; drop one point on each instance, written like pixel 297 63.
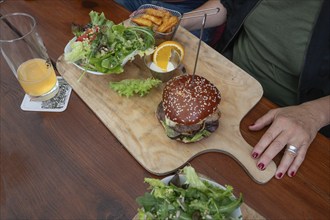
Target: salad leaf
pixel 194 199
pixel 198 136
pixel 77 29
pixel 129 87
pixel 97 19
pixel 79 51
pixel 193 179
pixel 106 47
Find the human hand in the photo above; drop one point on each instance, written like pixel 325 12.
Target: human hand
pixel 294 125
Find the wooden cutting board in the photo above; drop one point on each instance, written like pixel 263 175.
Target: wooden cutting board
pixel 133 121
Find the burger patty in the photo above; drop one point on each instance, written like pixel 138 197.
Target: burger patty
pixel 210 123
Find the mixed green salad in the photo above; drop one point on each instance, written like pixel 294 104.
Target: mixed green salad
pixel 194 199
pixel 105 47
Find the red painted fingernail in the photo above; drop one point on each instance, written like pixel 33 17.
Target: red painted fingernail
pixel 261 166
pixel 279 175
pixel 255 155
pixel 292 174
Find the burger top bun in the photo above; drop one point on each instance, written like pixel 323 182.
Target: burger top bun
pixel 188 103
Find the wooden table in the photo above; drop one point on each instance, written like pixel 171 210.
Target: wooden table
pixel 70 166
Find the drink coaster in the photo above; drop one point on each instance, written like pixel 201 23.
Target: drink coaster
pixel 56 104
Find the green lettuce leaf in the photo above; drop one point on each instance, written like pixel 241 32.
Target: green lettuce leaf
pixel 97 19
pixel 130 87
pixel 192 178
pixel 79 51
pixel 171 133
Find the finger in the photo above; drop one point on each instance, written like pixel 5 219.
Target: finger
pixel 267 138
pixel 263 121
pixel 274 147
pixel 290 163
pixel 286 161
pixel 298 161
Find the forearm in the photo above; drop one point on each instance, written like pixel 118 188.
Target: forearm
pixel 320 111
pixel 211 21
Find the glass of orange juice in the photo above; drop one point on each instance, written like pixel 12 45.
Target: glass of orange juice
pixel 27 57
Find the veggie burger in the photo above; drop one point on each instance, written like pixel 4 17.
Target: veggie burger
pixel 189 108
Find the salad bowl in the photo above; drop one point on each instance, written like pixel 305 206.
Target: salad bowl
pixel 103 47
pixel 187 195
pixel 236 214
pixel 68 49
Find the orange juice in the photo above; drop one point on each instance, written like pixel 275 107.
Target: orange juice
pixel 36 77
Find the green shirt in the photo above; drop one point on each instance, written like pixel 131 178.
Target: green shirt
pixel 273 44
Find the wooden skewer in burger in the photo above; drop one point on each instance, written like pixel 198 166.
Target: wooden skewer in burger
pixel 189 108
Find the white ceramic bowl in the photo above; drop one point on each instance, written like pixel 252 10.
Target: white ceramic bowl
pixel 68 49
pixel 237 214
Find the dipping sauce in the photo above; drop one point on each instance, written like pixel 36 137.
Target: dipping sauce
pixel 154 67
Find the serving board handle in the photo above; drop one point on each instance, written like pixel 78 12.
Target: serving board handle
pixel 240 151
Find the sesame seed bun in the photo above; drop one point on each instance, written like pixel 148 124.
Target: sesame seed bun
pixel 189 102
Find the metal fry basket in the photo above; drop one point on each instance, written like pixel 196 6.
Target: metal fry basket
pixel 158 35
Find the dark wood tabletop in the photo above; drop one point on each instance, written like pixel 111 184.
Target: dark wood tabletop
pixel 68 165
